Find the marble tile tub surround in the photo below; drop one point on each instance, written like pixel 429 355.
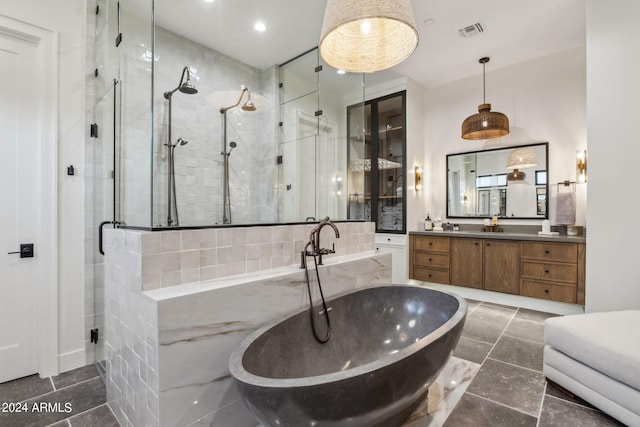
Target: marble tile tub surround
pixel 198 331
pixel 167 349
pixel 176 257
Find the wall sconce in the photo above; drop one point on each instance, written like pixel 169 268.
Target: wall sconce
pixel 338 185
pixel 581 166
pixel 418 171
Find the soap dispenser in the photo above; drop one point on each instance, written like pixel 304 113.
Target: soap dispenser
pixel 428 224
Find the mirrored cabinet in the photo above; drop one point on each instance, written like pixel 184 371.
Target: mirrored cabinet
pixel 377 162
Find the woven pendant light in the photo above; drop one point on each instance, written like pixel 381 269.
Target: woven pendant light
pixel 367 35
pixel 486 124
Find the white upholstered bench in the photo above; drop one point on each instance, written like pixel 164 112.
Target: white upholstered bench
pixel 597 357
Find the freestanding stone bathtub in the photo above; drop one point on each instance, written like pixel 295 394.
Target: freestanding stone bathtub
pixel 388 344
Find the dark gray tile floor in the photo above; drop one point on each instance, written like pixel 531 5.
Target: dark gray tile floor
pixel 72 399
pixel 510 389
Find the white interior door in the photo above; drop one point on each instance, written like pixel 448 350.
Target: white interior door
pixel 20 174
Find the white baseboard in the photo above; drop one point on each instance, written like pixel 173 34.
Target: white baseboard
pixel 71 360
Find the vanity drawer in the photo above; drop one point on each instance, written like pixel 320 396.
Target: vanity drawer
pixel 432 259
pixel 544 251
pixel 427 274
pixel 431 243
pixel 391 239
pixel 546 290
pixel 547 271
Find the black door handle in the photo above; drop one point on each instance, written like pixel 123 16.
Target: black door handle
pixel 26 250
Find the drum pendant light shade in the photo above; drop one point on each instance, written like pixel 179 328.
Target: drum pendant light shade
pixel 486 124
pixel 367 36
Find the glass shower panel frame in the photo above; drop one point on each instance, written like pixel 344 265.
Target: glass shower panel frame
pixel 136 57
pixel 298 119
pixel 298 77
pixel 297 179
pixel 337 90
pixel 118 150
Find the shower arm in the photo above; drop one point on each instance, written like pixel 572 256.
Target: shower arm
pixel 185 71
pixel 223 110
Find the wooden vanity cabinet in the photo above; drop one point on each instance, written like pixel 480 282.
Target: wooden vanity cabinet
pixel 429 258
pixel 553 271
pixel 539 269
pixel 501 272
pixel 485 264
pixel 466 262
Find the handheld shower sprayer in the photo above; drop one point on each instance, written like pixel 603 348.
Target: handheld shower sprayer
pixel 233 145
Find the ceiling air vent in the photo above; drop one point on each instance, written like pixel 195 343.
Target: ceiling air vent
pixel 471 30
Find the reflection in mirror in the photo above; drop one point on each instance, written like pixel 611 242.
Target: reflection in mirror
pixel 506 182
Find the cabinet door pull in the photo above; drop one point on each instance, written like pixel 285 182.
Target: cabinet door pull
pixel 488 244
pixel 476 243
pixel 547 251
pixel 430 260
pixel 546 271
pixel 546 291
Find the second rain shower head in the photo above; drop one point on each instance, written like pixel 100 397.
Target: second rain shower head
pixel 247 106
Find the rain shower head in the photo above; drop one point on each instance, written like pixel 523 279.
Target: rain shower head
pixel 188 87
pixel 181 141
pixel 185 86
pixel 247 106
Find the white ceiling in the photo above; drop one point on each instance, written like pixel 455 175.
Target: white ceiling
pixel 515 31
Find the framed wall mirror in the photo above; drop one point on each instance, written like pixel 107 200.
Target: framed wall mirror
pixel 506 182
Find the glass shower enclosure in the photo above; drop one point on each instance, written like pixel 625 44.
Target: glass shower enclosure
pixel 182 135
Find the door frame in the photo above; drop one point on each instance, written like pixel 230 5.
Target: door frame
pixel 46 301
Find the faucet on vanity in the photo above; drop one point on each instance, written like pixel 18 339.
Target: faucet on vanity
pixel 314 242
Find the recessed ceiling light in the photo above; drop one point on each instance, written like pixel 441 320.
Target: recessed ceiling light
pixel 209 1
pixel 260 26
pixel 341 72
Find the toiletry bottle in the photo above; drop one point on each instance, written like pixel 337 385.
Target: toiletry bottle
pixel 428 224
pixel 494 220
